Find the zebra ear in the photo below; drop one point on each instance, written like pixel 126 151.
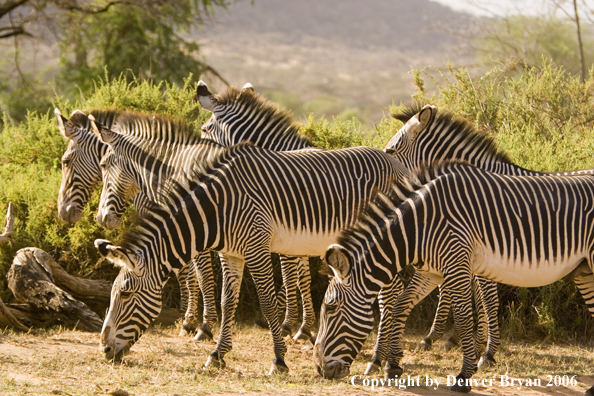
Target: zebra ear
pixel 61 123
pixel 104 134
pixel 339 260
pixel 247 88
pixel 426 116
pixel 207 100
pixel 118 256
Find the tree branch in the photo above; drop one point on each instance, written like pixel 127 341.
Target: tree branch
pixel 10 5
pixel 8 225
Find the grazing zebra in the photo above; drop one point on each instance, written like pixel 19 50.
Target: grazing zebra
pixel 459 220
pixel 81 173
pixel 248 203
pixel 244 116
pixel 429 136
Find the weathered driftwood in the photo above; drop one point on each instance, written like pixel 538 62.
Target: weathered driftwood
pixel 32 279
pixel 7 319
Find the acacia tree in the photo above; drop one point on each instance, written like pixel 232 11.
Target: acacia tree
pixel 99 38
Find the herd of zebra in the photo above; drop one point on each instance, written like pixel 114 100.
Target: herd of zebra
pixel 441 197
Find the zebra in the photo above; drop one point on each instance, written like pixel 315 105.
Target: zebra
pixel 247 203
pixel 245 116
pixel 81 174
pixel 428 136
pixel 456 220
pixel 175 145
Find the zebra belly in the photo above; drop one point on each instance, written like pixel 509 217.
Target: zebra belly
pixel 301 243
pixel 523 273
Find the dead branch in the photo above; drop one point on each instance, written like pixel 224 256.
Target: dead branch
pixel 8 225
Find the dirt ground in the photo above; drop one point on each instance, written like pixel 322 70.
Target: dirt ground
pixel 63 362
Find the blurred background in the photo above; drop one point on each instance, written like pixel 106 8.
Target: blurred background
pixel 343 58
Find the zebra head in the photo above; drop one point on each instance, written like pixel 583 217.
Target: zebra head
pixel 226 113
pixel 406 144
pixel 135 300
pixel 346 318
pixel 119 185
pixel 80 165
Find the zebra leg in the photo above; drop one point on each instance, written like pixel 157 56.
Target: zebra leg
pixel 386 299
pixel 309 316
pixel 203 279
pixel 193 294
pixel 419 288
pixel 439 321
pixel 232 269
pixel 459 284
pixel 585 284
pixel 488 303
pixel 261 269
pixel 289 271
pixel 182 277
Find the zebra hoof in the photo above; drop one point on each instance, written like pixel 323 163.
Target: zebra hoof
pixel 286 330
pixel 450 344
pixel 426 344
pixel 215 362
pixel 392 371
pixel 262 323
pixel 305 335
pixel 486 361
pixel 461 389
pixel 203 335
pixel 373 367
pixel 590 392
pixel 278 367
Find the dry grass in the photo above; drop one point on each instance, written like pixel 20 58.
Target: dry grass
pixel 68 363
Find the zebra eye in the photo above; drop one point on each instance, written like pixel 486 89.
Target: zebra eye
pixel 66 162
pixel 126 293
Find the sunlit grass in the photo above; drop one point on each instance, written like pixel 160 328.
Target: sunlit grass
pixel 64 361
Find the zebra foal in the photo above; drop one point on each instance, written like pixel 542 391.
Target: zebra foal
pixel 456 221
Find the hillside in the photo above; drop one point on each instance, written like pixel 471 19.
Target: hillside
pixel 331 56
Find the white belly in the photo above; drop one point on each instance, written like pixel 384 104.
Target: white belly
pixel 300 243
pixel 514 272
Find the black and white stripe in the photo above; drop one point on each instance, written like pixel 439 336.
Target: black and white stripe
pixel 518 230
pixel 248 203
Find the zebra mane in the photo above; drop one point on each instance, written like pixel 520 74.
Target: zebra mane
pixel 178 190
pixel 156 127
pixel 269 111
pixel 105 116
pixel 453 126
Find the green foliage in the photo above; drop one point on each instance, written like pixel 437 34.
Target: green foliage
pixel 30 170
pixel 143 39
pixel 528 38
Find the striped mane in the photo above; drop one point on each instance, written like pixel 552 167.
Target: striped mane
pixel 269 112
pixel 175 192
pixel 105 116
pixel 453 128
pixel 156 128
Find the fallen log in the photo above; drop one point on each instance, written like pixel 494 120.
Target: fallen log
pixel 31 280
